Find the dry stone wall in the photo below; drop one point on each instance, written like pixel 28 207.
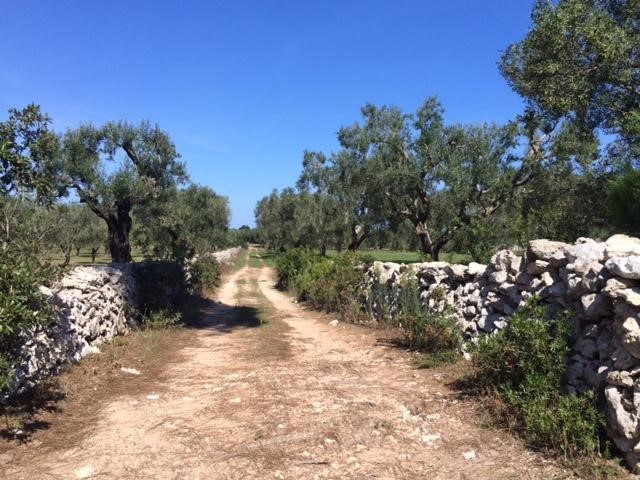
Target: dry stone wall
pixel 598 281
pixel 92 305
pixel 228 256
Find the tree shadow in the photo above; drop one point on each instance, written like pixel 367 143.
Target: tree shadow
pixel 268 255
pixel 22 415
pixel 393 341
pixel 220 318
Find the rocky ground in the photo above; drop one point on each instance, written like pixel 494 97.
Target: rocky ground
pixel 266 389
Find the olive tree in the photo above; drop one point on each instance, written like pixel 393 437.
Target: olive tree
pixel 439 177
pixel 29 161
pixel 581 61
pixel 349 204
pixel 147 164
pixel 184 222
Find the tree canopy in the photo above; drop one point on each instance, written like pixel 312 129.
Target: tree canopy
pixel 148 165
pixel 183 223
pixel 581 61
pixel 29 154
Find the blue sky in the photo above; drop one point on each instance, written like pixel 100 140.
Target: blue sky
pixel 243 87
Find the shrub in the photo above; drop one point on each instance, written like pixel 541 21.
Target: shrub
pixel 430 329
pixel 291 264
pixel 331 284
pixel 204 274
pixel 623 201
pixel 161 319
pixel 22 306
pixel 525 366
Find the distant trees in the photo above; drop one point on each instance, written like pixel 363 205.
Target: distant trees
pixel 74 227
pixel 149 167
pixel 277 219
pixel 623 201
pixel 543 175
pixel 182 223
pixel 434 176
pixel 243 235
pixel 395 168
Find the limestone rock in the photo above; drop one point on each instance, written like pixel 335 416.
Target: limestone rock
pixel 584 252
pixel 547 279
pixel 476 269
pixel 502 260
pixel 620 378
pixel 614 285
pixel 457 272
pixel 545 250
pixel 537 267
pixel 631 296
pixel 596 306
pixel 623 422
pixel 621 246
pixel 629 330
pixel 625 267
pixel 499 276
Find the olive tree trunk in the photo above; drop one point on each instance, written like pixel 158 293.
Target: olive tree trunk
pixel 119 227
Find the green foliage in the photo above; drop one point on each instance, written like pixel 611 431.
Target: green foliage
pixel 21 303
pixel 163 318
pixel 182 223
pixel 580 61
pixel 525 364
pixel 149 167
pixel 29 160
pixel 331 284
pixel 623 201
pixel 204 274
pixel 430 329
pixel 290 219
pixel 243 236
pixel 414 168
pixel 291 264
pixel 411 179
pixel 22 306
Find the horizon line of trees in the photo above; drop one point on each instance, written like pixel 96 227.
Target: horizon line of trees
pixel 411 180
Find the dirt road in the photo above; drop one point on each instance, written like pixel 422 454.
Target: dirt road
pixel 266 389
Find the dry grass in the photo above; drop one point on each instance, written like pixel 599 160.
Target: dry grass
pixel 74 398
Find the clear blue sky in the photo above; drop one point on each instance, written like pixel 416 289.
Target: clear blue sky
pixel 243 87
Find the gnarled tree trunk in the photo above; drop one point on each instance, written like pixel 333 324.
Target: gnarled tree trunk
pixel 119 227
pixel 358 235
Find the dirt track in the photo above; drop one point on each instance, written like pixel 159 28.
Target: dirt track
pixel 267 389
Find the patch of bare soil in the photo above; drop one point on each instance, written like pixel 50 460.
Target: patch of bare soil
pixel 265 389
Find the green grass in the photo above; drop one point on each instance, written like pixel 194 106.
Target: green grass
pixel 85 257
pixel 241 261
pixel 255 260
pixel 269 257
pixel 400 256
